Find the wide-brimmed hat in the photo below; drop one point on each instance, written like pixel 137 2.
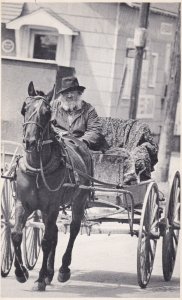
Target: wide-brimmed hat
pixel 68 84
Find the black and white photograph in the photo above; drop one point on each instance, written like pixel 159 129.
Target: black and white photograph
pixel 90 149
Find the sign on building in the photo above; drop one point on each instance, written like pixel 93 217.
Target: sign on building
pixel 8 46
pixel 146 105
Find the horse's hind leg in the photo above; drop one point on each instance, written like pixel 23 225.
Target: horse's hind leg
pixel 77 215
pixel 21 216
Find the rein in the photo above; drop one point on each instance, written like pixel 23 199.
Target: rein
pixel 32 122
pixel 44 179
pixel 83 174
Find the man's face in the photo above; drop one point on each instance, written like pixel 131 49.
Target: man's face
pixel 70 101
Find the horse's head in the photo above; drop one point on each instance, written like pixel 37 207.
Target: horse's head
pixel 37 114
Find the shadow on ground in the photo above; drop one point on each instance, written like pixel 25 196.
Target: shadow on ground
pixel 115 284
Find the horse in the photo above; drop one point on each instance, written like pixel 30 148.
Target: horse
pixel 47 165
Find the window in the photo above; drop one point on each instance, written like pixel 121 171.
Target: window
pixel 43 35
pixel 45 46
pixel 167 59
pixel 128 78
pixel 130 56
pixel 177 127
pixel 153 70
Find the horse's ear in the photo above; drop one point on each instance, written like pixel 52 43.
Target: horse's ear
pixel 23 109
pixel 50 94
pixel 31 90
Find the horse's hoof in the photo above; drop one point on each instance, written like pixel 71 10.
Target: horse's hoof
pixel 39 286
pixel 49 277
pixel 64 276
pixel 48 280
pixel 22 275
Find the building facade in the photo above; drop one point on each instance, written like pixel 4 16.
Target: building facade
pixel 97 40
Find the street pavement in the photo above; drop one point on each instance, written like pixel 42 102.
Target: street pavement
pixel 102 266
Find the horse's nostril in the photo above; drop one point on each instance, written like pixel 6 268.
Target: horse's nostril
pixel 30 144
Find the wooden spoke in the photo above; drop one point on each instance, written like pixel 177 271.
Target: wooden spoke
pixel 147 241
pixel 32 242
pixel 7 217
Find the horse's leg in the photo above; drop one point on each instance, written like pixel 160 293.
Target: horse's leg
pixel 51 257
pixel 77 215
pixel 21 215
pixel 49 242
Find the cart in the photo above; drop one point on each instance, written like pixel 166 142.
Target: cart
pixel 141 206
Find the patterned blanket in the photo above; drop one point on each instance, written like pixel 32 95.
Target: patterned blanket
pixel 136 138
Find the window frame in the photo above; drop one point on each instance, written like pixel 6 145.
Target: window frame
pixel 25 44
pixel 153 79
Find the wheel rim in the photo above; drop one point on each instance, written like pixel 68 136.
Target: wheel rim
pixel 171 236
pixel 32 237
pixel 148 235
pixel 173 213
pixel 7 222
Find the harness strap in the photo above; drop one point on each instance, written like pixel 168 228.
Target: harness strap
pixel 72 167
pixel 45 182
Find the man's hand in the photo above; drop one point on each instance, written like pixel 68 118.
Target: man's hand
pixel 59 132
pixel 84 141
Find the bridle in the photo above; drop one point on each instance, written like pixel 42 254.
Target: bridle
pixel 40 142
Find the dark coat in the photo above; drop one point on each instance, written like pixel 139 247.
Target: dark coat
pixel 85 125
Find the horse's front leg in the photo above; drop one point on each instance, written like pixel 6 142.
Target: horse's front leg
pixel 51 257
pixel 77 215
pixel 21 215
pixel 49 243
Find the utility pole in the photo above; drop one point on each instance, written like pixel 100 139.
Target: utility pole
pixel 167 132
pixel 139 41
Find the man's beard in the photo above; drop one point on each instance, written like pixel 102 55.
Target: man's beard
pixel 71 106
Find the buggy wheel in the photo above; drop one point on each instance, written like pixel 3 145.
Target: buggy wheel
pixel 8 193
pixel 148 235
pixel 171 234
pixel 32 237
